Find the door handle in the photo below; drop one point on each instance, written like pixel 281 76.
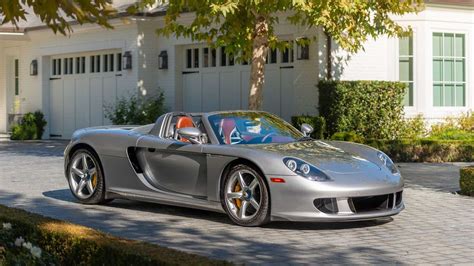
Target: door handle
pixel 151 149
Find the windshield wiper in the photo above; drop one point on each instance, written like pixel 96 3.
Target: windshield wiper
pixel 305 138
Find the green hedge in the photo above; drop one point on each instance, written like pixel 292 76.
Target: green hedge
pixel 63 243
pixel 31 126
pixel 317 122
pixel 466 181
pixel 372 109
pixel 424 150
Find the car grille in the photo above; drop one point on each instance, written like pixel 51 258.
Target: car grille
pixel 361 204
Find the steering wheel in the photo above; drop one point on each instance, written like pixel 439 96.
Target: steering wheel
pixel 268 135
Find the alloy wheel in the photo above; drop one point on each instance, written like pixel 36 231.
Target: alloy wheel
pixel 243 195
pixel 83 176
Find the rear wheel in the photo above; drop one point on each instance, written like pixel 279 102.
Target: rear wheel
pixel 245 196
pixel 85 177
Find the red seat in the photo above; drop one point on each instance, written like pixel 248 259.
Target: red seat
pixel 227 126
pixel 184 121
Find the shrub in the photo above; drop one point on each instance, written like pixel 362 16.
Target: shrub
pixel 134 111
pixel 454 128
pixel 317 122
pixel 466 181
pixel 63 243
pixel 31 126
pixel 425 150
pixel 347 136
pixel 413 128
pixel 372 109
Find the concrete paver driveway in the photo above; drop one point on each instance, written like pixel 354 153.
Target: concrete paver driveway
pixel 436 227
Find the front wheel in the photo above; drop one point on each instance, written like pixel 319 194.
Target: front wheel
pixel 85 177
pixel 245 196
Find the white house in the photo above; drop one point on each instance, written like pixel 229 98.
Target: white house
pixel 77 76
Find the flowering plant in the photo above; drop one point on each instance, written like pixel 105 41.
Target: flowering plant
pixel 16 250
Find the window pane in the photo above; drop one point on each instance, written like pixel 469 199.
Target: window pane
pixel 16 67
pixel 459 45
pixel 106 63
pixel 92 64
pixel 78 65
pixel 437 70
pixel 17 86
pixel 449 95
pixel 196 58
pixel 437 95
pixel 406 46
pixel 189 58
pixel 223 57
pixel 448 70
pixel 205 55
pixel 54 67
pixel 97 63
pixel 448 44
pixel 59 66
pixel 460 70
pixel 460 95
pixel 111 62
pixel 119 62
pixel 231 59
pixel 214 57
pixel 437 44
pixel 285 56
pixel 408 99
pixel 406 69
pixel 273 56
pixel 83 64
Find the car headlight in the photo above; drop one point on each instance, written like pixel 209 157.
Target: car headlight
pixel 305 169
pixel 388 163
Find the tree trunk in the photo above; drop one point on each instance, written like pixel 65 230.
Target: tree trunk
pixel 257 69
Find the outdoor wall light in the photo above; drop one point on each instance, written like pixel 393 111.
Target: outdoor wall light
pixel 34 68
pixel 302 50
pixel 163 60
pixel 127 60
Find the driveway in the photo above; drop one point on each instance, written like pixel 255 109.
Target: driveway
pixel 436 227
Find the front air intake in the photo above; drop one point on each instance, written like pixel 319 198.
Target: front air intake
pixel 326 205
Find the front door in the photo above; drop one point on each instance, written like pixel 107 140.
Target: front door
pixel 173 166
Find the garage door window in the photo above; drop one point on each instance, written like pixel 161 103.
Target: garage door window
pixel 80 65
pixel 56 67
pixel 17 77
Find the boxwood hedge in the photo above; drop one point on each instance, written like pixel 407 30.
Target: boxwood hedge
pixel 70 244
pixel 372 109
pixel 466 181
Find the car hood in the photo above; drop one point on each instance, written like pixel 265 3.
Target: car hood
pixel 322 155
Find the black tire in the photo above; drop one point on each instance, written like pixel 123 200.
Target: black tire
pixel 262 216
pixel 98 196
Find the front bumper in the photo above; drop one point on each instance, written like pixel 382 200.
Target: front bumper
pixel 299 199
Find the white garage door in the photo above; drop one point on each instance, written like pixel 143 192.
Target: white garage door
pixel 212 80
pixel 81 85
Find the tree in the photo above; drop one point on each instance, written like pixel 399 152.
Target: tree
pixel 246 27
pixel 58 14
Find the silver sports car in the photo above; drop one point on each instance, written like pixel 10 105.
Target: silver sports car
pixel 251 165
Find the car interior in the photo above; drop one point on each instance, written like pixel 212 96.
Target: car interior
pixel 179 121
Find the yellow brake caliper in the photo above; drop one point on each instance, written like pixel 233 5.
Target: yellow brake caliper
pixel 94 180
pixel 238 202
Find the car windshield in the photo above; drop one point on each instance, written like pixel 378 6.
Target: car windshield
pixel 252 128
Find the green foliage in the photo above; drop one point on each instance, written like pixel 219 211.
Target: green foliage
pixel 372 109
pixel 68 244
pixel 425 150
pixel 58 14
pixel 317 122
pixel 233 23
pixel 466 180
pixel 31 127
pixel 454 128
pixel 134 111
pixel 348 136
pixel 413 128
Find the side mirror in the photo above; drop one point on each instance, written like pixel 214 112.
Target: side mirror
pixel 190 133
pixel 306 129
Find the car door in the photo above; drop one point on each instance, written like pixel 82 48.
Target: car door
pixel 173 166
